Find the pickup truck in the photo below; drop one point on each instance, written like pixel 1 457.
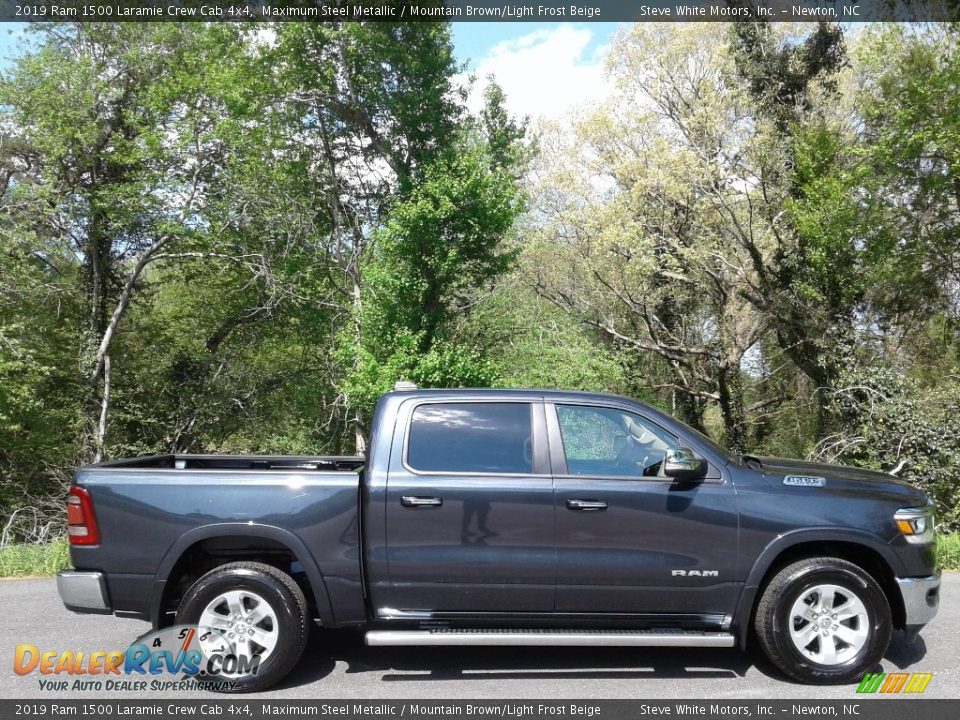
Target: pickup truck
pixel 509 517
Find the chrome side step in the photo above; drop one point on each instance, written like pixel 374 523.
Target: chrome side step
pixel 639 638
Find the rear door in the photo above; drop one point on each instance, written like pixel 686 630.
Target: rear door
pixel 469 510
pixel 627 540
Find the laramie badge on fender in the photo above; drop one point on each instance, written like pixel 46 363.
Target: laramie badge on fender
pixel 804 481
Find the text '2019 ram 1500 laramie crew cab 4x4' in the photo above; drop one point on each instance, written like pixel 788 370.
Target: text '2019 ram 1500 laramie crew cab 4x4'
pixel 502 517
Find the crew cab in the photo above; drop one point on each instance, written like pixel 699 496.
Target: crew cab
pixel 508 517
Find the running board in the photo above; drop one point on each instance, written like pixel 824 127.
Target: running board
pixel 640 638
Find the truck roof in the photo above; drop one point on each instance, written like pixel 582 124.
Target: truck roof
pixel 525 393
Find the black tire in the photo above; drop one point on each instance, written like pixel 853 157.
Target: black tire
pixel 773 623
pixel 280 591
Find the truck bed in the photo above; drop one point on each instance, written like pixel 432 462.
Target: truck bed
pixel 154 510
pixel 324 463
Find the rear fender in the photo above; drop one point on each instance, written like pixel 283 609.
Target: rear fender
pixel 284 537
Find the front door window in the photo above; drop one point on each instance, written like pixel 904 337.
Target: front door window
pixel 607 442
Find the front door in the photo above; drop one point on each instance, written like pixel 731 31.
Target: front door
pixel 469 511
pixel 628 540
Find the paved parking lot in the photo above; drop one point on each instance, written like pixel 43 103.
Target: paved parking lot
pixel 339 665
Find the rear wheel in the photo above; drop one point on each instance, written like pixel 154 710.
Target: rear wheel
pixel 257 613
pixel 823 620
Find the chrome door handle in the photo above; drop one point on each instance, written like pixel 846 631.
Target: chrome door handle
pixel 415 502
pixel 587 505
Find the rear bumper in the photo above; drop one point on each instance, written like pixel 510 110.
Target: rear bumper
pixel 921 598
pixel 84 592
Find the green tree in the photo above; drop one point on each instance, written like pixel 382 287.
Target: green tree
pixel 437 246
pixel 814 279
pixel 653 236
pixel 369 106
pixel 911 135
pixel 116 151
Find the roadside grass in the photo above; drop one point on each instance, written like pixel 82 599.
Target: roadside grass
pixel 47 559
pixel 27 560
pixel 948 551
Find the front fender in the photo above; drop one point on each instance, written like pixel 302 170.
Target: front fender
pixel 791 540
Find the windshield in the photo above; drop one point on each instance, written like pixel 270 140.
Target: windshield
pixel 707 441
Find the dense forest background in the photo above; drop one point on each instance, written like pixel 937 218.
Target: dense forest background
pixel 219 238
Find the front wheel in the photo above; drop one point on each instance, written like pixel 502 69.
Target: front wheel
pixel 823 620
pixel 256 611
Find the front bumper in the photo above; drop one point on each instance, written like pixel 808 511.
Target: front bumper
pixel 84 592
pixel 921 598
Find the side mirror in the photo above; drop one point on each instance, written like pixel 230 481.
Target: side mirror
pixel 682 464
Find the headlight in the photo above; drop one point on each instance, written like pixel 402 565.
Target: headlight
pixel 916 524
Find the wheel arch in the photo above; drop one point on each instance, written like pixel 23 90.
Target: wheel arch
pixel 859 548
pixel 236 541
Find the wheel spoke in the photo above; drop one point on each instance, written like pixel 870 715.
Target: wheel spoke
pixel 804 636
pixel 847 610
pixel 267 639
pixel 827 596
pixel 851 636
pixel 233 602
pixel 256 615
pixel 828 650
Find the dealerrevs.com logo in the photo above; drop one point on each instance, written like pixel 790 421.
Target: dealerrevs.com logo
pixel 194 654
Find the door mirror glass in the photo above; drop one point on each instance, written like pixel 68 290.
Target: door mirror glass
pixel 682 464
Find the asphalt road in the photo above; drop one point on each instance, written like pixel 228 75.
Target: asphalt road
pixel 339 665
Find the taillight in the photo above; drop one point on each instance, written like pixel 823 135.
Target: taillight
pixel 81 522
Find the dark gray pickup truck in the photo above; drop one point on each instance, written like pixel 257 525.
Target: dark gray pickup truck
pixel 502 517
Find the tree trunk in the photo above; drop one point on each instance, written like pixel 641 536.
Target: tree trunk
pixel 690 410
pixel 104 411
pixel 360 438
pixel 98 272
pixel 98 262
pixel 730 389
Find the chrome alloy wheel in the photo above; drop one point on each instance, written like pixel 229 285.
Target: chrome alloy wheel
pixel 829 624
pixel 244 621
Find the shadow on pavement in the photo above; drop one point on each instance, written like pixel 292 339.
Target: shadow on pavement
pixel 406 664
pixel 904 655
pixel 416 664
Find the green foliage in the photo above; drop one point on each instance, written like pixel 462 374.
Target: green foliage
pixel 912 148
pixel 34 560
pixel 891 422
pixel 400 358
pixel 827 265
pixel 948 551
pixel 39 417
pixel 590 436
pixel 439 245
pixel 779 72
pixel 388 86
pixel 534 343
pixel 231 188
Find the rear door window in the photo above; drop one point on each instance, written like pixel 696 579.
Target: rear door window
pixel 470 438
